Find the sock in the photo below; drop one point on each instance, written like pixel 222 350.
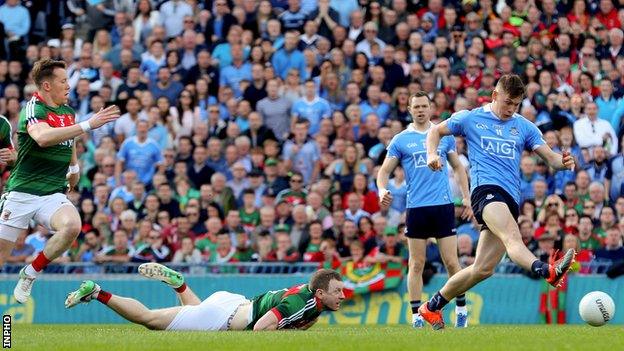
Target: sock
pixel 415 304
pixel 460 300
pixel 540 268
pixel 40 262
pixel 104 296
pixel 181 288
pixel 437 302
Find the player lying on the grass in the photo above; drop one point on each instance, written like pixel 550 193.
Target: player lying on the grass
pixel 295 308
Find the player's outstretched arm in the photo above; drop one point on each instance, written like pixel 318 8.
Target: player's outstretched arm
pixel 387 167
pixel 433 141
pixel 46 136
pixel 555 160
pixel 267 322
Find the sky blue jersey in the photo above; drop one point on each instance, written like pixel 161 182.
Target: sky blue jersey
pixel 495 146
pixel 424 186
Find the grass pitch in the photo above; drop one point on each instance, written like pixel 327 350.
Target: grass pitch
pixel 358 338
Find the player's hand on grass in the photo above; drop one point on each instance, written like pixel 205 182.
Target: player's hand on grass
pixel 385 197
pixel 103 116
pixel 567 160
pixel 467 212
pixel 433 162
pixel 7 155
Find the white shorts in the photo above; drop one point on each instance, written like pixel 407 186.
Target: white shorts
pixel 212 314
pixel 17 209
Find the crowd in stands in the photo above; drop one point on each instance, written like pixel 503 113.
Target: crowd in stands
pixel 252 130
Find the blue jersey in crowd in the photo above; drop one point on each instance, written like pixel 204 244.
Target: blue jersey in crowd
pixel 140 157
pixel 313 111
pixel 424 186
pixel 495 146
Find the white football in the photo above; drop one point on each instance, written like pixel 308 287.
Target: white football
pixel 597 308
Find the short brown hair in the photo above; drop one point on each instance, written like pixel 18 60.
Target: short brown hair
pixel 512 85
pixel 321 278
pixel 44 69
pixel 419 94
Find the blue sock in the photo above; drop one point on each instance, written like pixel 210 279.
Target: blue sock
pixel 540 268
pixel 415 304
pixel 437 302
pixel 460 301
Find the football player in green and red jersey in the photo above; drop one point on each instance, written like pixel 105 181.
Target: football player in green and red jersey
pixel 46 162
pixel 297 307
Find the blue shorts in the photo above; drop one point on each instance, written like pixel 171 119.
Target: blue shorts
pixel 430 222
pixel 484 194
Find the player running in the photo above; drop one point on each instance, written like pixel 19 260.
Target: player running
pixel 46 162
pixel 7 158
pixel 430 209
pixel 295 308
pixel 496 137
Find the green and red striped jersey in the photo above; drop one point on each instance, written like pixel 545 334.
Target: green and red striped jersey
pixel 293 307
pixel 41 170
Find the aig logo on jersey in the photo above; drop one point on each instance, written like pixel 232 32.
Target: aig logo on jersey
pixel 499 147
pixel 420 159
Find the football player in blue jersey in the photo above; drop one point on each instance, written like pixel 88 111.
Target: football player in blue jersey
pixel 496 137
pixel 430 208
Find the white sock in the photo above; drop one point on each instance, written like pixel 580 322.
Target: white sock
pixel 31 271
pixel 461 309
pixel 416 317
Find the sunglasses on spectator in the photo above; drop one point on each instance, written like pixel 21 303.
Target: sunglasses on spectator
pixel 553 204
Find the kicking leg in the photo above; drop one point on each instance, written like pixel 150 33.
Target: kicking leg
pixel 502 224
pixel 172 278
pixel 490 250
pixel 417 253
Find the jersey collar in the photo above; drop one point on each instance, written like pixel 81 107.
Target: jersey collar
pixel 38 97
pixel 410 128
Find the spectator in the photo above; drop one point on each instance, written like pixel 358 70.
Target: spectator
pixel 234 74
pixel 187 253
pixel 588 240
pixel 275 111
pixel 284 251
pixel 165 86
pixel 120 252
pixel 139 154
pixel 613 250
pixel 590 131
pixel 311 107
pixel 153 250
pixel 289 56
pixel 220 23
pixel 173 13
pixel 15 21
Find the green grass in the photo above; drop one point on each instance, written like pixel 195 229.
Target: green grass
pixel 360 338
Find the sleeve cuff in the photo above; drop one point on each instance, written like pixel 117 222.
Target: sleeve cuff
pixel 277 314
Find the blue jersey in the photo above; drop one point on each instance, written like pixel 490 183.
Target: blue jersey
pixel 495 146
pixel 424 186
pixel 313 111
